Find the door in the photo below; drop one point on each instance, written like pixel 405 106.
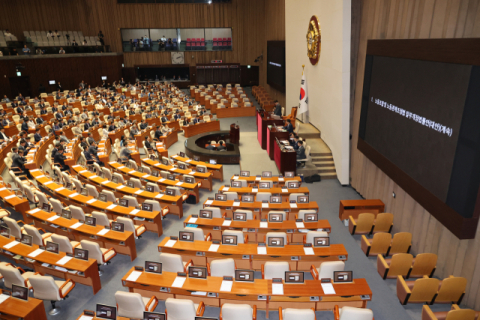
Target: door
pixel 20 85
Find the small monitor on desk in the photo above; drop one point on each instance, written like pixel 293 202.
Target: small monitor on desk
pixel 196 158
pixel 181 166
pixel 118 226
pixel 140 169
pixel 247 198
pixel 165 162
pixel 106 312
pixel 275 217
pixel 153 316
pixel 267 174
pixel 115 179
pixel 303 199
pixel 153 267
pixel 201 169
pixel 264 185
pixel 67 214
pixel 52 247
pixel 149 188
pixel 289 174
pixel 220 197
pixel 46 207
pixel 155 173
pixel 130 184
pixel 26 239
pixel 182 154
pixel 185 236
pixel 102 197
pixel 123 202
pixel 91 221
pixel 310 217
pixel 81 254
pixel 69 186
pixel 240 216
pixel 276 242
pixel 342 276
pixel 229 240
pixel 206 214
pixel 84 192
pixel 294 277
pixel 292 185
pixel 19 292
pixel 170 192
pixel 147 207
pixel 275 199
pixel 244 173
pixel 170 177
pixel 197 272
pixel 236 184
pixel 213 161
pixel 321 241
pixel 245 275
pixel 5 231
pixel 189 180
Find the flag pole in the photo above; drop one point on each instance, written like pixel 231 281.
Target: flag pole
pixel 303 115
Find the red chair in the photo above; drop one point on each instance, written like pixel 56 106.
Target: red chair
pixel 215 39
pixel 203 40
pixel 229 39
pixel 188 46
pixel 188 39
pixel 229 43
pixel 224 39
pixel 198 39
pixel 203 45
pixel 225 44
pixel 215 45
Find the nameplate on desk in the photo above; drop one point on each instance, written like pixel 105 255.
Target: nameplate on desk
pixel 105 182
pixel 42 176
pixel 191 172
pixel 192 220
pixel 35 253
pixel 328 288
pixel 34 211
pixel 103 232
pixel 3 189
pixel 208 202
pixel 48 182
pixel 258 178
pixel 170 243
pixel 59 189
pixel 11 244
pixel 264 205
pixel 157 164
pixel 277 288
pixel 293 205
pixel 134 211
pixel 93 177
pixel 284 190
pixel 159 196
pixel 214 247
pixel 73 195
pixel 112 206
pixel 178 282
pixel 64 260
pixel 91 201
pixel 161 180
pixel 83 171
pixel 134 276
pixel 34 170
pixel 179 183
pixel 53 218
pixel 121 167
pixel 226 285
pixel 10 196
pixel 254 189
pixel 120 187
pixel 138 191
pixel 300 224
pixel 146 176
pixel 76 225
pixel 261 250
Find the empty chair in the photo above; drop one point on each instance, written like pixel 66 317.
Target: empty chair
pixel 221 268
pixel 231 195
pixel 216 212
pixel 92 191
pixel 119 178
pixel 198 234
pixel 231 311
pixel 137 230
pixel 57 206
pixel 383 222
pixel 399 265
pixel 350 313
pixel 173 262
pixel 136 183
pixel 64 244
pixel 107 173
pixel 133 164
pixel 103 256
pixel 38 239
pixel 102 219
pixel 263 196
pixel 418 291
pixel 110 195
pixel 78 185
pixel 294 196
pixel 132 201
pixel 455 314
pixel 451 290
pixel 156 207
pixel 379 244
pixel 183 309
pixel 270 184
pixel 401 243
pixel 275 269
pixel 132 305
pixel 15 229
pixel 272 216
pixel 276 235
pixel 155 186
pixel 327 269
pixel 311 235
pixel 12 275
pixel 77 213
pixel 177 192
pixel 241 237
pixel 424 264
pixel 249 213
pixel 46 288
pixel 243 182
pixel 363 225
pixel 295 314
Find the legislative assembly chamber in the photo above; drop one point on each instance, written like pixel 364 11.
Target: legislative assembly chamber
pixel 240 159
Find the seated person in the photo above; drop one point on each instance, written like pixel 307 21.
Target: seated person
pixel 210 147
pixel 221 147
pixel 59 159
pixel 289 126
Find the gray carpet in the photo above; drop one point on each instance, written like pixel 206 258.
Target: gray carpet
pixel 327 193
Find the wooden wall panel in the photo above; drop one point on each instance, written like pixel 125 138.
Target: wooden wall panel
pixel 412 19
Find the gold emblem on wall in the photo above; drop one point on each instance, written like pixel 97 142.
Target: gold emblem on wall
pixel 314 40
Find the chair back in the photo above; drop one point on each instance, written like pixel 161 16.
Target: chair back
pixel 348 313
pixel 311 235
pixel 401 243
pixel 180 309
pixel 176 189
pixel 238 233
pixel 261 196
pixel 302 213
pixel 102 218
pixel 424 264
pixel 327 269
pixel 294 314
pixel 231 195
pixel 107 173
pixel 42 198
pixel 128 223
pixel 365 222
pixel 171 262
pixel 110 195
pixel 249 213
pixel 400 265
pixel 380 243
pixel 452 289
pixel 198 234
pixel 77 213
pixel 63 243
pixel 284 215
pixel 424 290
pixel 155 186
pixel 32 231
pixel 294 196
pixel 132 201
pixel 78 184
pixel 233 311
pixel 383 222
pixel 94 251
pixel 222 267
pixel 275 269
pixel 11 275
pixel 462 314
pixel 133 164
pixel 119 177
pixel 92 191
pixel 15 229
pixel 56 205
pixel 130 304
pixel 45 288
pixel 136 183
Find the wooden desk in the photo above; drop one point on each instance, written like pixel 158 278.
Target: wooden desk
pixel 273 133
pixel 5 150
pixel 235 112
pixel 73 153
pixel 40 154
pixel 124 243
pixel 194 129
pixel 295 295
pixel 246 256
pixel 86 272
pixel 12 308
pixel 215 169
pixel 284 192
pixel 215 226
pixel 117 134
pixel 19 205
pixel 170 139
pixel 95 318
pixel 262 125
pixel 175 125
pixel 254 180
pixel 204 178
pixel 139 138
pixel 286 160
pixel 355 207
pixel 162 152
pixel 258 210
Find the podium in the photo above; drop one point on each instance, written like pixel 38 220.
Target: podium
pixel 234 134
pixel 263 121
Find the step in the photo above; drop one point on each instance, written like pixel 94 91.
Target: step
pixel 326 169
pixel 326 176
pixel 322 159
pixel 321 154
pixel 324 164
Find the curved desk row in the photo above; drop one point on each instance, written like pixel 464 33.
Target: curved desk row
pixel 302 295
pixel 247 255
pixel 80 271
pixel 194 129
pixel 260 210
pixel 215 169
pixel 171 204
pixel 285 192
pixel 255 180
pixel 204 178
pixel 192 188
pixel 256 229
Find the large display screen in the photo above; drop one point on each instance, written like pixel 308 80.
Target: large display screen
pixel 417 124
pixel 276 64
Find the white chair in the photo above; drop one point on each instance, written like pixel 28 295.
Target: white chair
pixel 183 309
pixel 249 213
pixel 132 305
pixel 38 239
pixel 241 238
pixel 295 314
pixel 77 213
pixel 119 178
pixel 92 191
pixel 230 311
pixel 155 186
pixel 294 196
pixel 177 192
pixel 45 288
pixel 110 195
pixel 12 275
pixel 348 313
pixel 133 164
pixel 302 213
pixel 327 269
pixel 156 207
pixel 263 196
pixel 311 235
pixel 216 212
pixel 64 244
pixel 15 229
pixel 137 230
pixel 276 212
pixel 276 235
pixel 78 185
pixel 42 198
pixel 102 219
pixel 198 234
pixel 221 268
pixel 173 262
pixel 132 201
pixel 275 269
pixel 231 195
pixel 107 173
pixel 270 183
pixel 136 183
pixel 102 255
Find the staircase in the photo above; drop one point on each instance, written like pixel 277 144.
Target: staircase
pixel 321 155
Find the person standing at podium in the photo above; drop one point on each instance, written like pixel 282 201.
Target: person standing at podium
pixel 278 109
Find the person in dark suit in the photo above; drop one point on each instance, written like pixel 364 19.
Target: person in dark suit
pixel 148 143
pixel 210 147
pixel 195 120
pixel 111 127
pixel 19 110
pixel 133 131
pixel 300 152
pixel 37 136
pixel 23 146
pixel 60 159
pixel 164 119
pixel 177 116
pixel 39 119
pixel 158 133
pixel 90 139
pixel 278 109
pixel 3 136
pixel 18 161
pixel 221 147
pixel 59 87
pixel 93 149
pixel 143 125
pixel 289 126
pixel 83 143
pixel 25 126
pixel 93 158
